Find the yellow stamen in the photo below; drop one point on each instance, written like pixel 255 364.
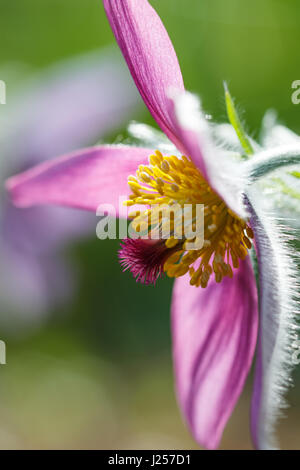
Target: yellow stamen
pixel 173 182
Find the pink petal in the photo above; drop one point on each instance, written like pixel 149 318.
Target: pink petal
pixel 149 54
pixel 83 179
pixel 214 337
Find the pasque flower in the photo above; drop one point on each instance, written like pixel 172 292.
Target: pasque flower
pixel 215 302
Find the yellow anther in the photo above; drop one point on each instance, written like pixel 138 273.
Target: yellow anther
pixel 160 181
pixel 132 178
pixel 247 243
pixel 146 178
pixel 171 270
pixel 172 161
pixel 176 178
pixel 208 269
pixel 249 232
pixel 218 258
pixel 235 260
pixel 165 166
pixel 222 244
pixel 175 187
pixel 129 203
pixel 224 269
pixel 229 271
pixel 195 277
pixel 174 258
pixel 159 155
pixel 181 270
pixel 171 242
pixel 134 186
pixel 229 230
pixel 242 252
pixel 154 160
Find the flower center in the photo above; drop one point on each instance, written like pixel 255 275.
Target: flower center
pixel 176 183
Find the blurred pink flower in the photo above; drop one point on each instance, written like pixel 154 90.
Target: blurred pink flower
pixel 215 327
pixel 70 104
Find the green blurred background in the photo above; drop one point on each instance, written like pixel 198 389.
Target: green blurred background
pixel 98 373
